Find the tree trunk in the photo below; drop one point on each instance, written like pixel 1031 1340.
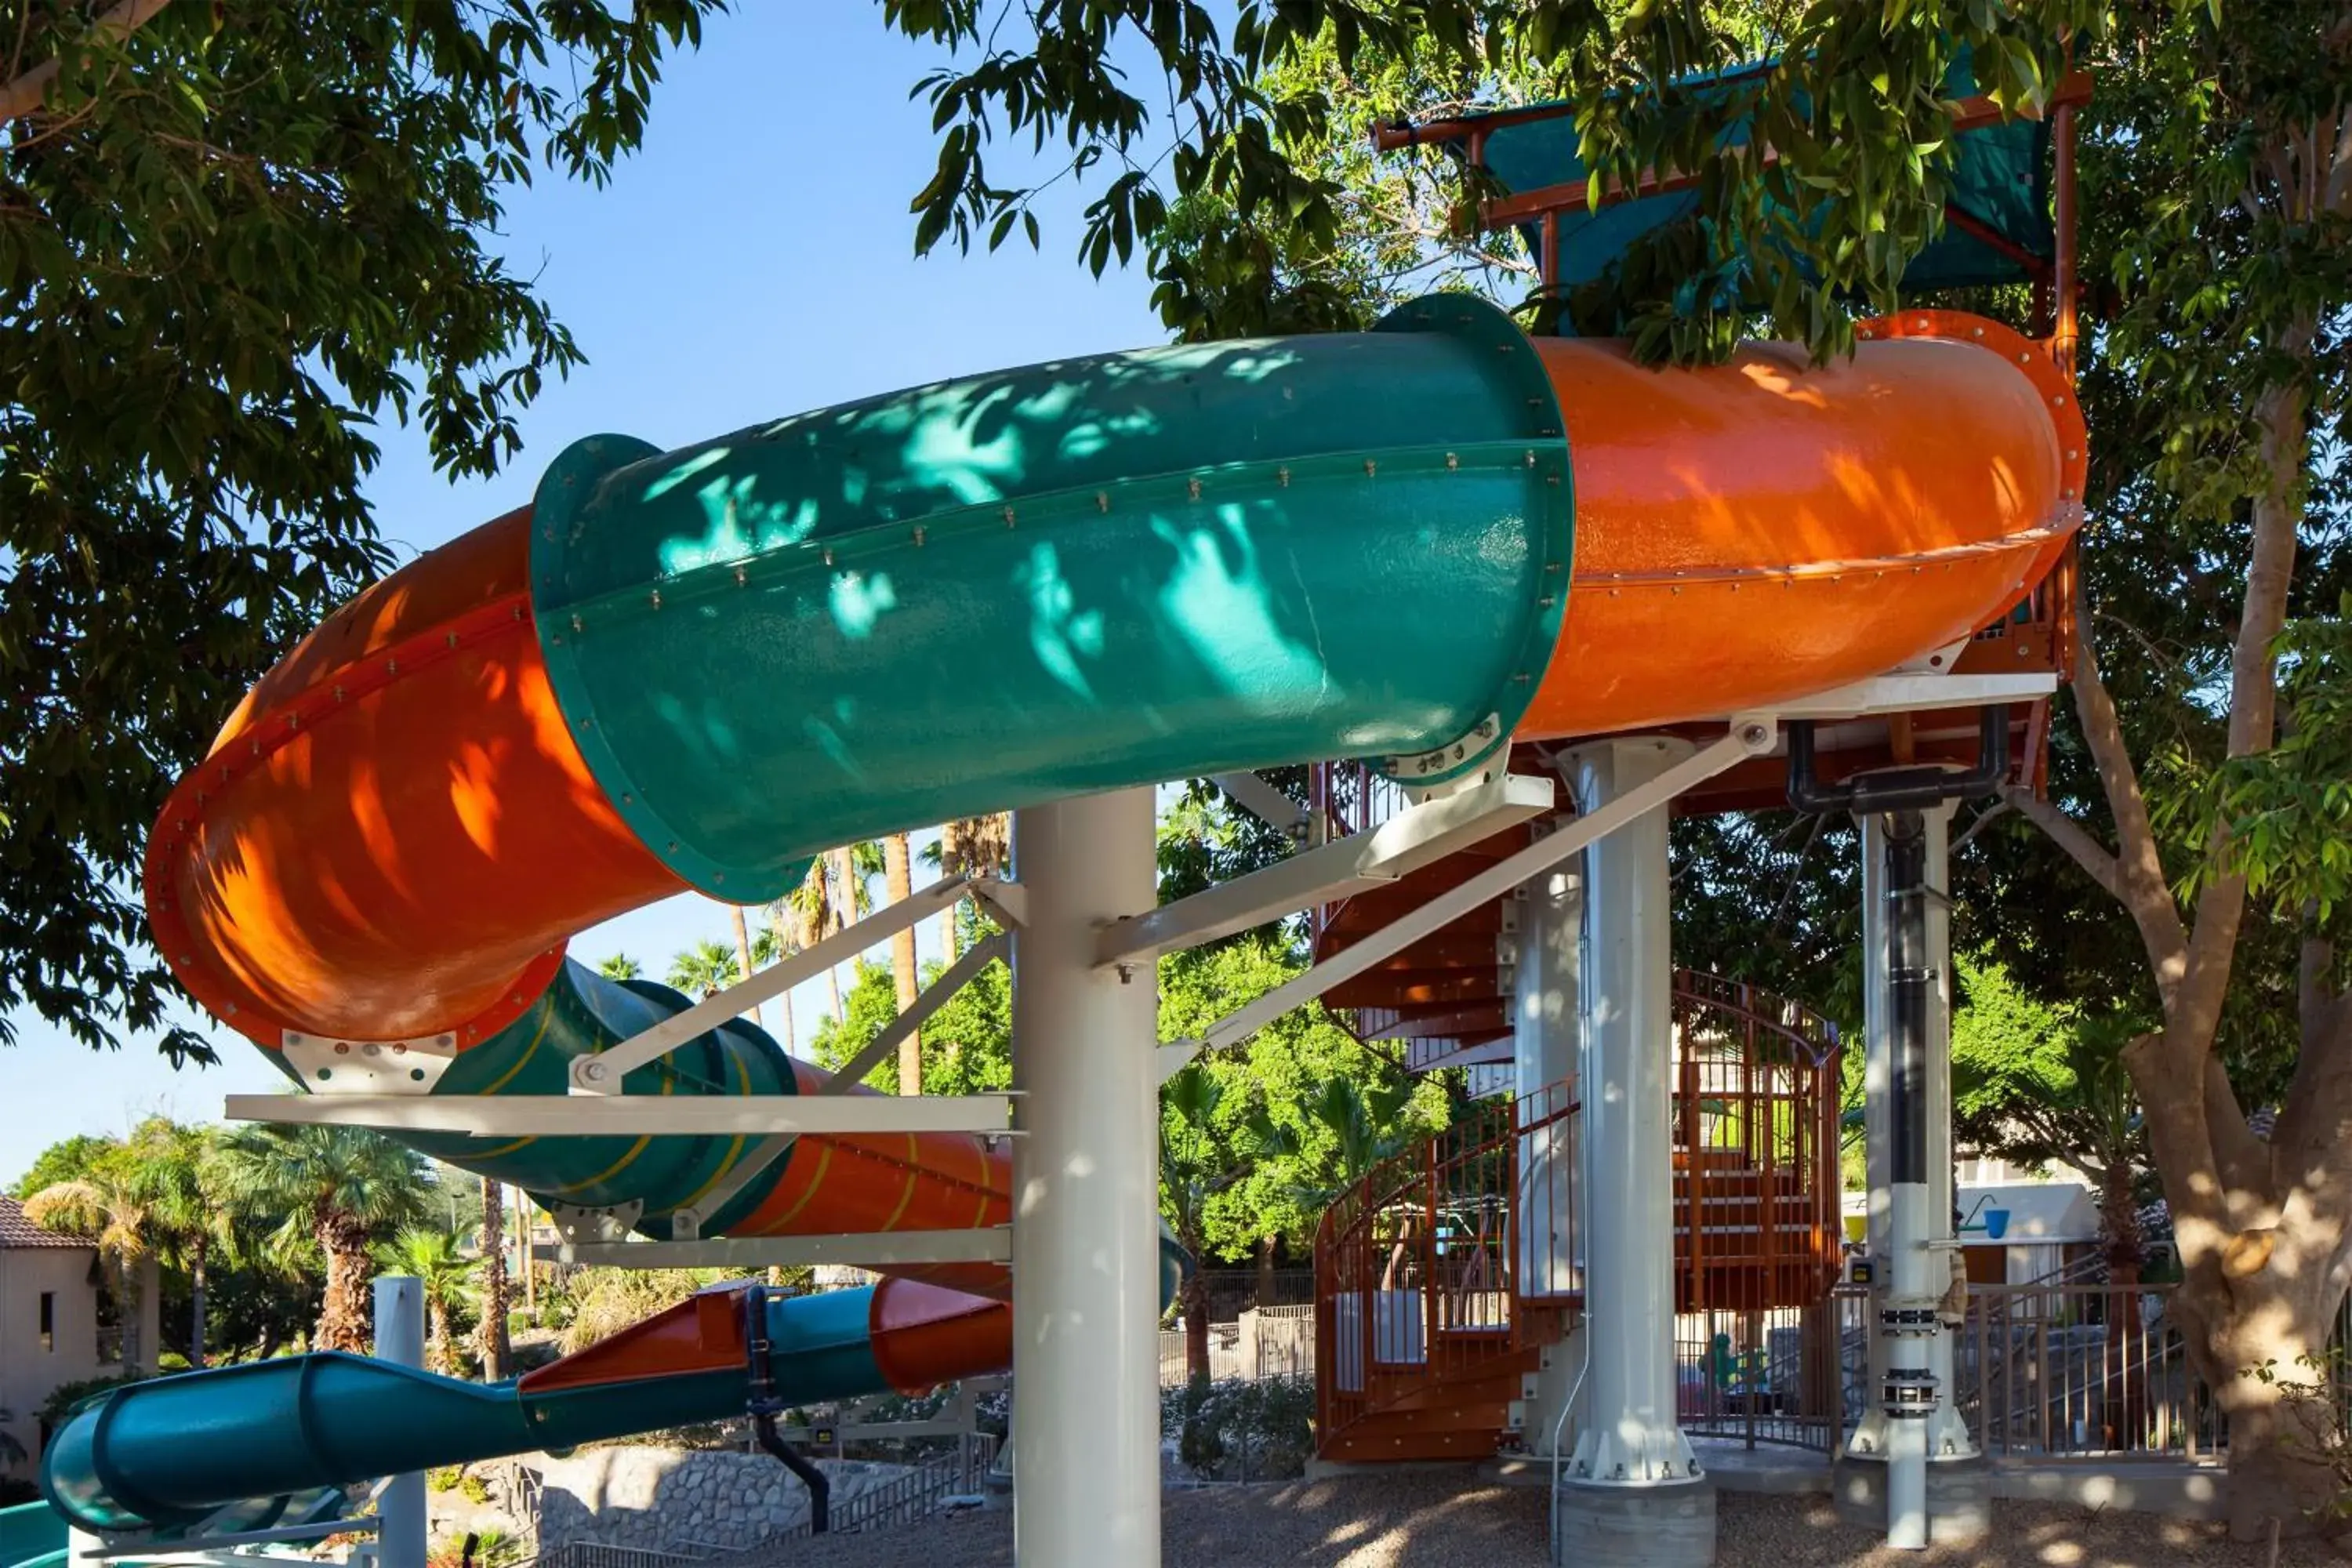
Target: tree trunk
pixel 197 1261
pixel 843 905
pixel 2127 1364
pixel 1265 1246
pixel 950 862
pixel 2282 1428
pixel 785 947
pixel 496 1354
pixel 743 952
pixel 898 882
pixel 1196 1326
pixel 444 1355
pixel 343 1315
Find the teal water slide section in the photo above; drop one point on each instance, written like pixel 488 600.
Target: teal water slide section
pixel 1016 587
pixel 168 1454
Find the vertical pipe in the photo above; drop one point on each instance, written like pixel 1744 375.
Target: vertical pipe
pixel 1086 1172
pixel 400 1339
pixel 1547 1018
pixel 1908 1316
pixel 1947 1429
pixel 1630 1436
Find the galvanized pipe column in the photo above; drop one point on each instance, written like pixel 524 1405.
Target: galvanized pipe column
pixel 402 1524
pixel 1546 1025
pixel 1628 1436
pixel 1907 1315
pixel 1086 1261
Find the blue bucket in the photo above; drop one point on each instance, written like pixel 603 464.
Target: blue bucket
pixel 1996 1223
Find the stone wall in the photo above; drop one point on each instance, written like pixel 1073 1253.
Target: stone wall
pixel 688 1500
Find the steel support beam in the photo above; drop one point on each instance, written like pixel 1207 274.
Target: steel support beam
pixel 1546 1033
pixel 1085 1228
pixel 1415 837
pixel 601 1073
pixel 1750 736
pixel 880 1249
pixel 1253 795
pixel 634 1115
pixel 686 1223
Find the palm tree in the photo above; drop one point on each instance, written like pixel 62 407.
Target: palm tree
pixel 981 846
pixel 851 899
pixel 342 1187
pixel 109 1206
pixel 444 1277
pixel 703 970
pixel 744 950
pixel 1193 1169
pixel 621 966
pixel 175 1171
pixel 898 882
pixel 496 1352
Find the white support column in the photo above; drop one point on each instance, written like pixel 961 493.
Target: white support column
pixel 1085 1251
pixel 400 1339
pixel 1547 1027
pixel 1634 1493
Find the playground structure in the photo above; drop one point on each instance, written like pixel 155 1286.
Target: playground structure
pixel 1558 597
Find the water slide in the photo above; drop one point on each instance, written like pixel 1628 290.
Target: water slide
pixel 699 668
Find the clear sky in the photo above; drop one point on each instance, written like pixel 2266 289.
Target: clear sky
pixel 754 260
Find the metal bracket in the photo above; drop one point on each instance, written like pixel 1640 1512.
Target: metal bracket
pixel 602 1074
pixel 330 1065
pixel 1750 735
pixel 578 1224
pixel 1007 902
pixel 1415 837
pixel 1268 805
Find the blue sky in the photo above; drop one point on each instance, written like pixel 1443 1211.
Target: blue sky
pixel 754 260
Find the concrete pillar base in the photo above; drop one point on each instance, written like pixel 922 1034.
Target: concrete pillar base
pixel 1665 1526
pixel 1959 1495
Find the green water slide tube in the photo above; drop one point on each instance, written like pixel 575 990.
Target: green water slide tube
pixel 1016 587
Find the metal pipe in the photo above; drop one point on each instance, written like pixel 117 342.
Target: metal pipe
pixel 765 1405
pixel 1086 1185
pixel 1909 1317
pixel 400 1340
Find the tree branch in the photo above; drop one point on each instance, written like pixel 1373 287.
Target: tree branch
pixel 2097 861
pixel 23 95
pixel 2139 882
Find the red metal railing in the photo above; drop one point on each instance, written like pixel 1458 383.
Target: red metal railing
pixel 1443 1263
pixel 1756 1147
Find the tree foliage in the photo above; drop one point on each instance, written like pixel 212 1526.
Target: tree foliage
pixel 231 244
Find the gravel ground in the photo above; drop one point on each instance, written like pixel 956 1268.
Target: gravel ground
pixel 1436 1518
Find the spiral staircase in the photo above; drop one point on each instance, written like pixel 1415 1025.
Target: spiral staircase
pixel 1434 1300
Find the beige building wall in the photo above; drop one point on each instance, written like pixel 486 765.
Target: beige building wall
pixel 32 1367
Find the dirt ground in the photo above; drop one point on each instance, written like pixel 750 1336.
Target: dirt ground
pixel 1436 1520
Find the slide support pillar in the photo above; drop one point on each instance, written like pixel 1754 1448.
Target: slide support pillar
pixel 1086 1254
pixel 1547 1027
pixel 1634 1493
pixel 1918 1473
pixel 400 1339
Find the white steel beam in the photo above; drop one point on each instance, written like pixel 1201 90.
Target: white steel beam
pixel 602 1074
pixel 634 1115
pixel 1268 803
pixel 1917 693
pixel 881 1250
pixel 1750 736
pixel 1413 838
pixel 687 1223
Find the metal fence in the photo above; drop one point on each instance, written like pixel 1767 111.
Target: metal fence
pixel 2056 1370
pixel 1262 1343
